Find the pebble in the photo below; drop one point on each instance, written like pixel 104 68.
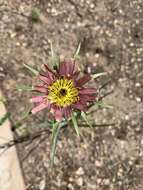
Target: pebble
pixel 138 99
pixel 79 181
pixel 70 186
pixel 98 163
pixel 99 180
pixel 80 171
pixel 106 181
pixel 126 117
pixel 137 84
pixel 13 34
pixel 142 142
pixel 42 185
pixel 92 6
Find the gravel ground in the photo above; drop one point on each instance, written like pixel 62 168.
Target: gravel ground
pixel 111 32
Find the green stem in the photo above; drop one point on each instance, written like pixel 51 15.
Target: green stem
pixel 56 131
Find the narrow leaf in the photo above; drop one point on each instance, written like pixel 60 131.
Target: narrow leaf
pixel 21 88
pixel 84 116
pixel 100 125
pixel 103 105
pixel 54 58
pixel 34 71
pixel 94 76
pixel 75 125
pixel 4 118
pixel 55 133
pixel 76 54
pixel 54 129
pixel 97 105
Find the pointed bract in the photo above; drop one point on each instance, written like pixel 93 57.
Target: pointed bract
pixel 83 80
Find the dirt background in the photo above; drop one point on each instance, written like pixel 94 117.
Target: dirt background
pixel 111 32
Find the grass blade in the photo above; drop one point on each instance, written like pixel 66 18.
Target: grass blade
pixel 4 118
pixel 94 76
pixel 54 58
pixel 98 105
pixel 21 88
pixel 75 125
pixel 34 71
pixel 76 54
pixel 55 133
pixel 84 116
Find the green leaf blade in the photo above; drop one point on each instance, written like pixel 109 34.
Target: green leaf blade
pixel 75 125
pixel 34 71
pixel 76 54
pixel 4 118
pixel 94 76
pixel 22 88
pixel 84 116
pixel 54 57
pixel 55 133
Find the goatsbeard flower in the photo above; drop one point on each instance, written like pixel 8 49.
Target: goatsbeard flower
pixel 63 91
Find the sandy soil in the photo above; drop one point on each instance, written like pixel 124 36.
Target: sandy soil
pixel 111 32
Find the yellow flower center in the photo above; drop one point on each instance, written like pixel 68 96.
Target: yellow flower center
pixel 63 93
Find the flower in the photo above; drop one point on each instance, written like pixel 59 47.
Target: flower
pixel 63 91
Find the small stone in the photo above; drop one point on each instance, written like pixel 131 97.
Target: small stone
pixel 70 186
pixel 132 44
pixel 42 185
pixel 120 172
pixel 99 181
pixel 17 44
pixel 137 84
pixel 126 117
pixel 131 162
pixel 138 99
pixel 24 44
pixel 13 34
pixel 79 181
pixel 92 6
pixel 80 171
pixel 98 163
pixel 106 181
pixel 71 179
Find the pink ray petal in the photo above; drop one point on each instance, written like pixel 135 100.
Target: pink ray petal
pixel 87 98
pixel 83 80
pixel 80 106
pixel 67 111
pixel 37 99
pixel 87 91
pixel 58 114
pixel 40 107
pixel 70 65
pixel 62 68
pixel 41 89
pixel 75 75
pixel 45 79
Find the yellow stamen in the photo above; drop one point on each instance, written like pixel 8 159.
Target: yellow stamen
pixel 63 93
